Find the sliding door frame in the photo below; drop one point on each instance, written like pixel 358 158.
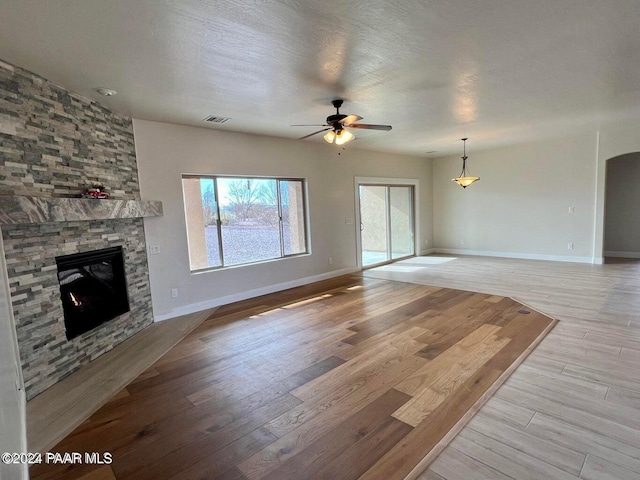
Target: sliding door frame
pixel 387 182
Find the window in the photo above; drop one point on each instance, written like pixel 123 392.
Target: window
pixel 239 220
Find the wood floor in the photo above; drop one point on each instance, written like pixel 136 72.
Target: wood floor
pixel 351 378
pixel 572 408
pixel 57 411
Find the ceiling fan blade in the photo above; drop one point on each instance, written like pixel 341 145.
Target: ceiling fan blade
pixel 369 126
pixel 315 133
pixel 312 125
pixel 350 119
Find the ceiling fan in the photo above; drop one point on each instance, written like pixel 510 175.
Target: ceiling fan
pixel 337 125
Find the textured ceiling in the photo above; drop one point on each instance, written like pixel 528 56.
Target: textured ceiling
pixel 496 71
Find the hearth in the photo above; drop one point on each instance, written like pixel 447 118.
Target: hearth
pixel 93 289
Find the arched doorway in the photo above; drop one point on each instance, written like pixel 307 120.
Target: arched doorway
pixel 621 212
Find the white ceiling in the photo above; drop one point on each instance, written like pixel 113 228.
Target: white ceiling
pixel 496 71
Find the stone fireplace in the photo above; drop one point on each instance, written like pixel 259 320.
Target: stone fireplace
pixel 53 145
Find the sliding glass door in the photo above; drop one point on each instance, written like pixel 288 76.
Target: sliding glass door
pixel 401 221
pixel 386 223
pixel 373 224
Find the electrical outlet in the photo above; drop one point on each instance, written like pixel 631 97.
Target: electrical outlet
pixel 174 293
pixel 330 261
pixel 154 249
pixel 462 242
pixel 569 246
pixel 572 209
pixel 348 221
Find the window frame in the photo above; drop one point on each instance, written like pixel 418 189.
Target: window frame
pixel 278 180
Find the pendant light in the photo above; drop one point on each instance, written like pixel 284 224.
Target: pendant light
pixel 464 179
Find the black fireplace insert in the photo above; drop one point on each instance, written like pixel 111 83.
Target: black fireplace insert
pixel 93 289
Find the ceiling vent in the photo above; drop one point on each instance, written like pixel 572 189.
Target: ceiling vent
pixel 216 119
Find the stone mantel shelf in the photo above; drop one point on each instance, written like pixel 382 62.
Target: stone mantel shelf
pixel 18 209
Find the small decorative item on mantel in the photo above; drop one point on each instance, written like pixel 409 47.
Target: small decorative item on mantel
pixel 97 191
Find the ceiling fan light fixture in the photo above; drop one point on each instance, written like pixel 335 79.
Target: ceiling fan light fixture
pixel 330 136
pixel 335 126
pixel 464 179
pixel 343 136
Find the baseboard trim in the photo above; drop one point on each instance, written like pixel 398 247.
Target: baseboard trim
pixel 622 254
pixel 523 256
pixel 237 297
pixel 427 251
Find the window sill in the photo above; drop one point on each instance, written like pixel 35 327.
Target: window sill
pixel 243 265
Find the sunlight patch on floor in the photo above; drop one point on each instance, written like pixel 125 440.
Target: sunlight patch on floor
pixel 429 260
pixel 414 264
pixel 396 267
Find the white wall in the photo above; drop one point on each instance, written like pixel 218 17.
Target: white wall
pixel 622 215
pixel 166 151
pixel 13 437
pixel 520 206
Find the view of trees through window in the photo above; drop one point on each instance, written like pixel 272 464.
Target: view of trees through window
pixel 234 220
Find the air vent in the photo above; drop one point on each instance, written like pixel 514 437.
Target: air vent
pixel 216 119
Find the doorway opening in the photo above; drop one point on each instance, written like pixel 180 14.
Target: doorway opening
pixel 386 222
pixel 621 215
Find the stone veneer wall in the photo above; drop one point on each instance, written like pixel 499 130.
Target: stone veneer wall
pixel 30 250
pixel 54 143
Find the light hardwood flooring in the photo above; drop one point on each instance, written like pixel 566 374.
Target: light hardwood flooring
pixel 572 409
pixel 345 379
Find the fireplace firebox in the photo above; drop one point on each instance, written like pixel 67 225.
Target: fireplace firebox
pixel 93 289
